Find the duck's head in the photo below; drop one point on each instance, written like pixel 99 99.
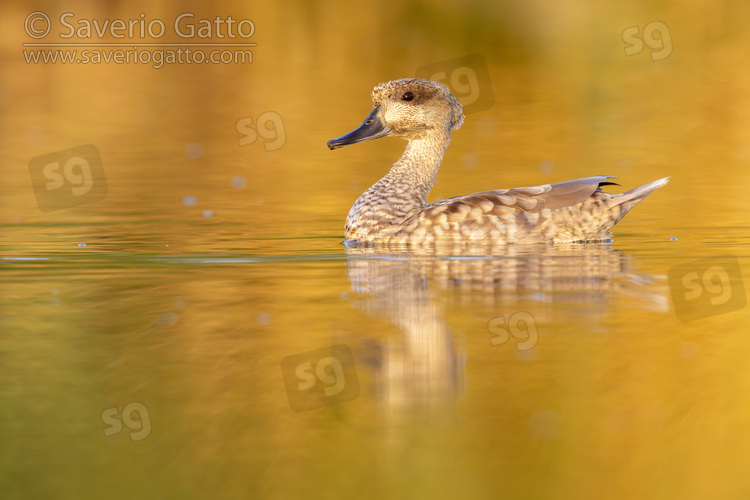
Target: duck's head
pixel 409 108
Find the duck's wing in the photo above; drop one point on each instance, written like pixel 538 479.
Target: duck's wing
pixel 506 201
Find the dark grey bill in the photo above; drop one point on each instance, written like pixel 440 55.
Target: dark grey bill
pixel 372 128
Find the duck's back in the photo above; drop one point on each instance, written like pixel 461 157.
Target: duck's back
pixel 576 210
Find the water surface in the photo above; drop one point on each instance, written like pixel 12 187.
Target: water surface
pixel 153 343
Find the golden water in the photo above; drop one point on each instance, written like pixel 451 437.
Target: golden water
pixel 152 361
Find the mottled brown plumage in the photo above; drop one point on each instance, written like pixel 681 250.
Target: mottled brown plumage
pixel 395 209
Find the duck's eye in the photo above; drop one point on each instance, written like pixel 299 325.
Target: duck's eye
pixel 408 96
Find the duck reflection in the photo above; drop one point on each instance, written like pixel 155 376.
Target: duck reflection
pixel 421 365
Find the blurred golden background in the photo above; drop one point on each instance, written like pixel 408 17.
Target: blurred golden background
pixel 215 253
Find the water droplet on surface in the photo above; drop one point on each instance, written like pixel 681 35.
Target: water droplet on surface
pixel 470 160
pixel 194 150
pixel 264 318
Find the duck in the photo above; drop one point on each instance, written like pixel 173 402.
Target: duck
pixel 394 210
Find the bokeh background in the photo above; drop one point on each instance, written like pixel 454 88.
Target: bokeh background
pixel 216 253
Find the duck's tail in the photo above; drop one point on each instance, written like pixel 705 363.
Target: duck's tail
pixel 627 200
pixel 631 198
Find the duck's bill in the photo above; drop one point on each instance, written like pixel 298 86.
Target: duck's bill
pixel 372 128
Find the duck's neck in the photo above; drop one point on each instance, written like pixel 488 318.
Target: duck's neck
pixel 416 169
pixel 405 187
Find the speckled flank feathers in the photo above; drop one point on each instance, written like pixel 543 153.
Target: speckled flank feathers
pixel 395 210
